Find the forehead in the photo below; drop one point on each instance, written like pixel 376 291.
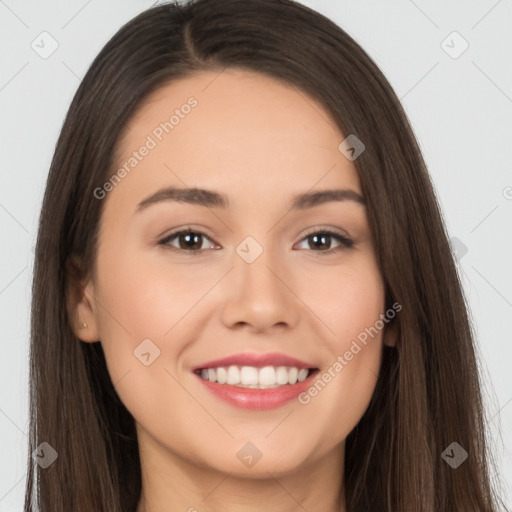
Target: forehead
pixel 230 128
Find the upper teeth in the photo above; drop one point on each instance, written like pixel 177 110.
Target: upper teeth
pixel 252 377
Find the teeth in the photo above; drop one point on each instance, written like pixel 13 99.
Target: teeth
pixel 222 376
pixel 249 376
pixel 303 373
pixel 233 375
pixel 256 378
pixel 282 375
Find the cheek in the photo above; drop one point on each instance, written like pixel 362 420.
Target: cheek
pixel 140 299
pixel 140 307
pixel 359 329
pixel 350 302
pixel 144 297
pixel 347 300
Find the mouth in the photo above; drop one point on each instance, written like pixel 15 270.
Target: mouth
pixel 256 381
pixel 256 388
pixel 252 377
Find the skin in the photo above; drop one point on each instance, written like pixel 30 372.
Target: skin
pixel 260 143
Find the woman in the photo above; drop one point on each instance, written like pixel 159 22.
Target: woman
pixel 192 348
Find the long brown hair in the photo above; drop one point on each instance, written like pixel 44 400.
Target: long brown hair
pixel 429 390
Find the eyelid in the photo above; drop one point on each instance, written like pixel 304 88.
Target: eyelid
pixel 186 229
pixel 326 229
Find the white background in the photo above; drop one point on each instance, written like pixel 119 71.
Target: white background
pixel 460 109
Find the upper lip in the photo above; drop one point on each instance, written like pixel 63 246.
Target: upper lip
pixel 256 360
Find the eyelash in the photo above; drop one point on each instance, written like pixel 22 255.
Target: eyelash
pixel 345 242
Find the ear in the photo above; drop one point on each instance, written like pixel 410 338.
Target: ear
pixel 391 333
pixel 80 302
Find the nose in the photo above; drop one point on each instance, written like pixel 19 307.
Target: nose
pixel 259 296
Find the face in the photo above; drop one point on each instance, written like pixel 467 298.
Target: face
pixel 287 290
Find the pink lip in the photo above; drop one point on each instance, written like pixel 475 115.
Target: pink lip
pixel 256 360
pixel 257 399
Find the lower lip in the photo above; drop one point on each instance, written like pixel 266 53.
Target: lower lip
pixel 257 399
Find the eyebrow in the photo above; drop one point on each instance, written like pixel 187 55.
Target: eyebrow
pixel 213 199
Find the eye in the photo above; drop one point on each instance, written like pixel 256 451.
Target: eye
pixel 191 241
pixel 188 240
pixel 321 239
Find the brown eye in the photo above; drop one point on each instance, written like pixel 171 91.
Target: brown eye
pixel 188 240
pixel 322 241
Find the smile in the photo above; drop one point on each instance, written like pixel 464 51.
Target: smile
pixel 268 377
pixel 258 396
